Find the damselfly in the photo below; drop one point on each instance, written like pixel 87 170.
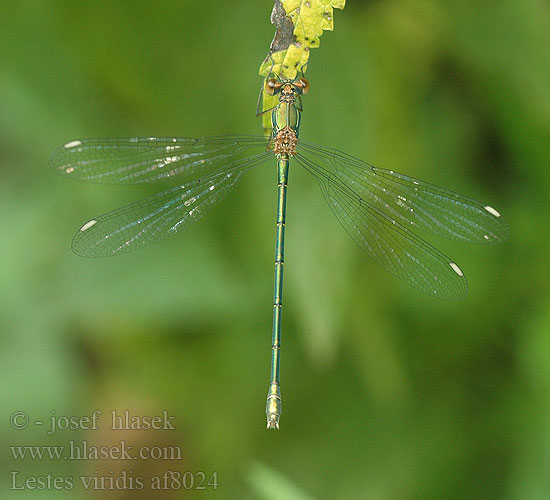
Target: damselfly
pixel 378 208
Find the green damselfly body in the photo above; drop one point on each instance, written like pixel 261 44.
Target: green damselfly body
pixel 379 208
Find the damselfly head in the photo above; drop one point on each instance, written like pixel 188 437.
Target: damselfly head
pixel 273 86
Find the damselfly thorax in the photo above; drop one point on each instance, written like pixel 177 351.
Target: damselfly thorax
pixel 285 117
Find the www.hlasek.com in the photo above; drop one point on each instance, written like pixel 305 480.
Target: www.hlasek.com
pixel 82 450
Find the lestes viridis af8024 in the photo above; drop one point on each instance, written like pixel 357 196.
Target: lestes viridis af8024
pixel 378 208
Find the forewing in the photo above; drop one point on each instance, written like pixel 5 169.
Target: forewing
pixel 392 245
pixel 151 159
pixel 411 202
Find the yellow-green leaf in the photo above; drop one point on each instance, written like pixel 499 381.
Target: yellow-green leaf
pixel 299 24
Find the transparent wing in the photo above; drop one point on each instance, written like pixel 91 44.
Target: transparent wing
pixel 151 159
pixel 387 241
pixel 412 202
pixel 152 219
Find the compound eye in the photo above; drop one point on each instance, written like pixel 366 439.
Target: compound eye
pixel 305 85
pixel 271 86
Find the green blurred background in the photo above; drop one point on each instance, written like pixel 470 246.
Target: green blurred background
pixel 387 394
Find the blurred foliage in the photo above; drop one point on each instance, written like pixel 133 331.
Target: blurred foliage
pixel 387 393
